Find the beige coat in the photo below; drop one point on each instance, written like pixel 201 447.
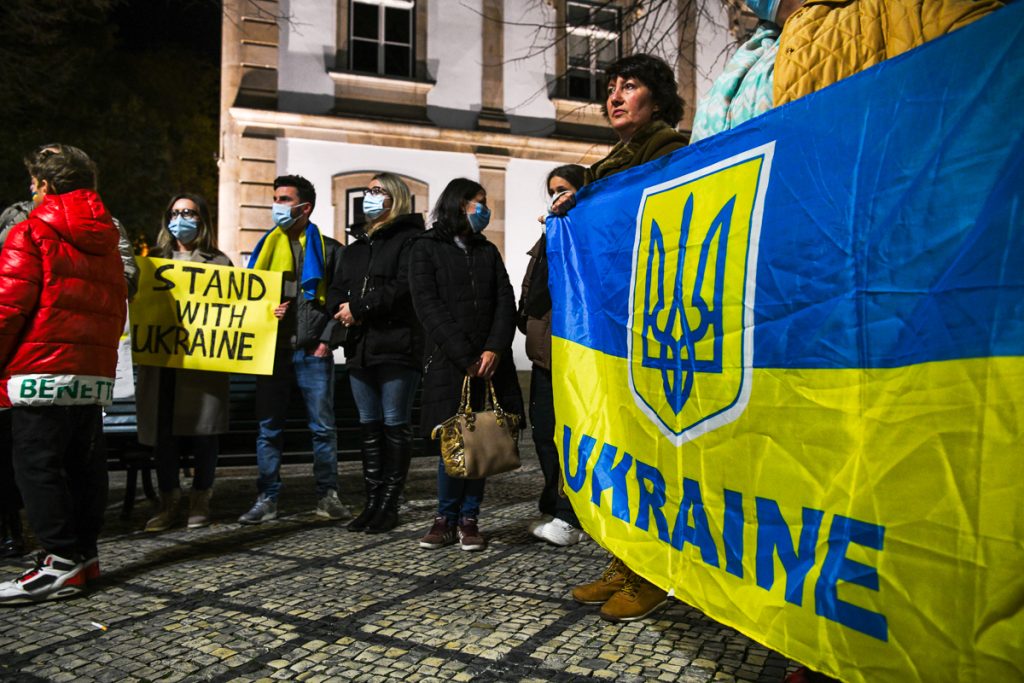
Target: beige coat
pixel 200 398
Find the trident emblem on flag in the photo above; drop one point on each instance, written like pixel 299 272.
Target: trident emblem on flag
pixel 694 269
pixel 672 350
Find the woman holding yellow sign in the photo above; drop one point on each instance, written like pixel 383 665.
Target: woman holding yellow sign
pixel 180 408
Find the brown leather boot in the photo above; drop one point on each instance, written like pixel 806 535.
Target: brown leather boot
pixel 167 511
pixel 638 598
pixel 199 508
pixel 610 583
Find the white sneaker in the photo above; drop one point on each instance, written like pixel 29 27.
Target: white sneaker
pixel 559 532
pixel 52 578
pixel 538 521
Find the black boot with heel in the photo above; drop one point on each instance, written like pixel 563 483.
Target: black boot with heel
pixel 372 438
pixel 397 451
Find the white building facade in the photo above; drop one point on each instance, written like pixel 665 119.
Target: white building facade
pixel 499 91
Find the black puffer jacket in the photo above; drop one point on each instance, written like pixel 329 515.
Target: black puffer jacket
pixel 375 283
pixel 466 305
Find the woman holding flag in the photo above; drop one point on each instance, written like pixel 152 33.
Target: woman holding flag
pixel 643 107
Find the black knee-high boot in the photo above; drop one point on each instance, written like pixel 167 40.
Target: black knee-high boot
pixel 373 479
pixel 397 451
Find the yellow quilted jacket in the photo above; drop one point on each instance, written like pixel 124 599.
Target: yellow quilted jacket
pixel 828 40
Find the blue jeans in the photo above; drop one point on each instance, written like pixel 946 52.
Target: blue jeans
pixel 457 498
pixel 315 379
pixel 384 393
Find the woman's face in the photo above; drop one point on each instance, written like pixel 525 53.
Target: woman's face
pixel 630 106
pixel 375 187
pixel 186 208
pixel 559 184
pixel 480 198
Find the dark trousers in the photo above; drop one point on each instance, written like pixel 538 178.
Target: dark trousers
pixel 542 417
pixel 60 464
pixel 10 499
pixel 168 449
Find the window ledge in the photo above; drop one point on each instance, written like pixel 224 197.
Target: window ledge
pixel 368 82
pixel 580 112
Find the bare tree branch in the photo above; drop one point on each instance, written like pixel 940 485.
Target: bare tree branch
pixel 652 26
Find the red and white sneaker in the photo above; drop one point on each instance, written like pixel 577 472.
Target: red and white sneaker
pixel 53 578
pixel 91 568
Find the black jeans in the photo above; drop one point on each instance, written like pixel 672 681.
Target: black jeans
pixel 167 452
pixel 542 418
pixel 60 464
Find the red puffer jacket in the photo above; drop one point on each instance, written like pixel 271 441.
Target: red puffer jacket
pixel 62 304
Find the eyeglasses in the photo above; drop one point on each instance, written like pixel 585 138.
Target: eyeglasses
pixel 184 213
pixel 376 191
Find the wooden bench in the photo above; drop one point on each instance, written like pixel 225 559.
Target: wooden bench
pixel 238 445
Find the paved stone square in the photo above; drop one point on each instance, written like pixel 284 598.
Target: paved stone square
pixel 303 599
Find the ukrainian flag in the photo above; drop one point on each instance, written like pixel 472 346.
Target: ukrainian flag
pixel 789 367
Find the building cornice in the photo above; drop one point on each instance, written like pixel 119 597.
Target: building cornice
pixel 408 135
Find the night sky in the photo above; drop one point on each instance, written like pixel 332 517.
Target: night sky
pixel 192 25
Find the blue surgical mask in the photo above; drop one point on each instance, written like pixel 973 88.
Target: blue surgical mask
pixel 765 9
pixel 282 214
pixel 373 205
pixel 479 219
pixel 185 230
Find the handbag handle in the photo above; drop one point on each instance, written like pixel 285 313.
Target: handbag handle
pixel 464 404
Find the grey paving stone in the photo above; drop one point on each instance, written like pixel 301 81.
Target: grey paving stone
pixel 303 599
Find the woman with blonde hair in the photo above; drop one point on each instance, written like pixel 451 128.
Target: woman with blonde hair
pixel 383 345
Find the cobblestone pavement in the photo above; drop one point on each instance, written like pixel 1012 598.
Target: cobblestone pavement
pixel 302 599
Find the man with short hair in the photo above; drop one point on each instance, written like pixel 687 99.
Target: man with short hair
pixel 62 310
pixel 309 262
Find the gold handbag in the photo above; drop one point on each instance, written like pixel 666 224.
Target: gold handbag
pixel 478 444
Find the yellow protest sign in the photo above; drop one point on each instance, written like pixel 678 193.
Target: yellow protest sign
pixel 202 316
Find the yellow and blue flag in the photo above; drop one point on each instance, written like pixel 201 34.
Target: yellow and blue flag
pixel 789 367
pixel 273 252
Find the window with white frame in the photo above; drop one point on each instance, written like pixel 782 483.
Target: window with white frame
pixel 381 37
pixel 593 41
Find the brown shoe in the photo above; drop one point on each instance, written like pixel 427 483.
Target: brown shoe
pixel 441 534
pixel 470 537
pixel 167 511
pixel 610 583
pixel 638 598
pixel 199 508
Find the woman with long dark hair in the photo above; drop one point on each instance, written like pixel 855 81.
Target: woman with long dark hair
pixel 182 409
pixel 558 523
pixel 463 298
pixel 383 345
